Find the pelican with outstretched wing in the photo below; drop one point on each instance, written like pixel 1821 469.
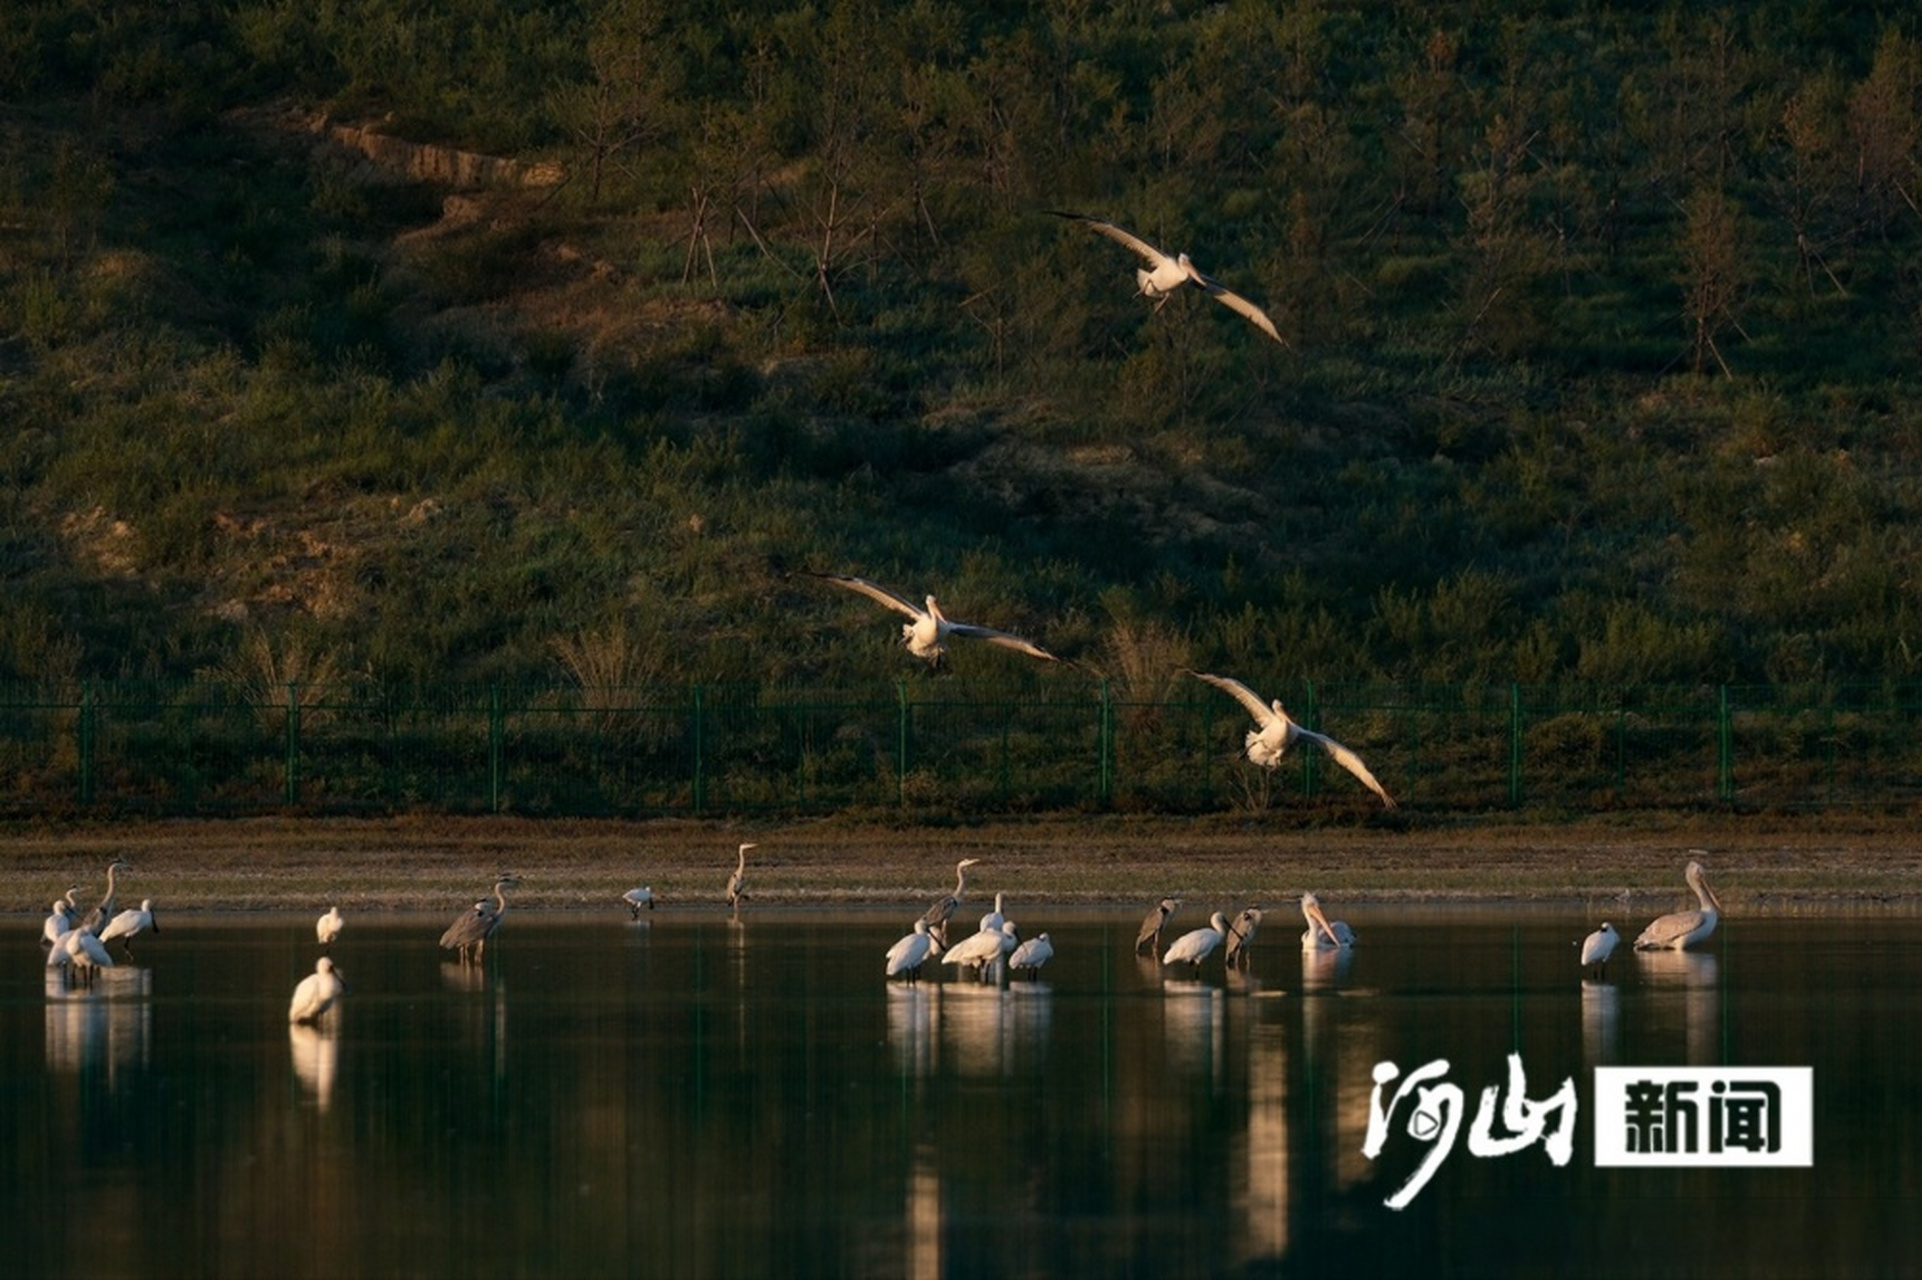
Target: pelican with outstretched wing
pixel 1167 272
pixel 927 632
pixel 1275 731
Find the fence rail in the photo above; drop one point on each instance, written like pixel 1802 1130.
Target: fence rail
pixel 938 744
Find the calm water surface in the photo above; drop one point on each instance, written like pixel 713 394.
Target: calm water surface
pixel 692 1097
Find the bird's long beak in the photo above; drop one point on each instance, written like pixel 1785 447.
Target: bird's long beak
pixel 1321 922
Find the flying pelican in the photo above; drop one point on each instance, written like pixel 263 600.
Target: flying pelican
pixel 1167 273
pixel 328 927
pixel 906 957
pixel 985 947
pixel 638 898
pixel 1031 955
pixel 737 883
pixel 938 915
pixel 317 992
pixel 1149 939
pixel 110 901
pixel 129 922
pixel 471 929
pixel 1598 946
pixel 1241 937
pixel 1198 944
pixel 58 923
pixel 1277 732
pixel 926 636
pixel 1323 934
pixel 1683 929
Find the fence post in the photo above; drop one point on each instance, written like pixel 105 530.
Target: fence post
pixel 700 751
pixel 86 743
pixel 1515 745
pixel 291 770
pixel 496 731
pixel 1725 752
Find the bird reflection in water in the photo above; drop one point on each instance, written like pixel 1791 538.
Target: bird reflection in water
pixel 316 1056
pixel 1601 1023
pixel 925 1217
pixel 911 1028
pixel 1262 1197
pixel 108 1023
pixel 1193 1027
pixel 1684 992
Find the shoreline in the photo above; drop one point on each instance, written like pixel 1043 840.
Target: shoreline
pixel 425 862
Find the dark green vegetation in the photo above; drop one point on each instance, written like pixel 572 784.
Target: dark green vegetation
pixel 1603 321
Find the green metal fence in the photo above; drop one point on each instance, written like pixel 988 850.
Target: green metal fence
pixel 937 743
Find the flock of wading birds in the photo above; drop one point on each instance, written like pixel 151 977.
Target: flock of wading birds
pixel 78 945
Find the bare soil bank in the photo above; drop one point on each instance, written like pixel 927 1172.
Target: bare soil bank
pixel 417 862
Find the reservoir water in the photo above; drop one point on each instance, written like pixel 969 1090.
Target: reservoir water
pixel 694 1096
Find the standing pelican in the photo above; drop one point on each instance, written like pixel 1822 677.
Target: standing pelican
pixel 1198 944
pixel 129 922
pixel 1148 940
pixel 109 901
pixel 317 993
pixel 938 915
pixel 906 957
pixel 328 927
pixel 1165 273
pixel 1683 929
pixel 1323 934
pixel 1031 955
pixel 1597 947
pixel 638 898
pixel 737 883
pixel 1241 937
pixel 926 635
pixel 1277 732
pixel 471 929
pixel 984 948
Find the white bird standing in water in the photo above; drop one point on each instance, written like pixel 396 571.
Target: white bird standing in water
pixel 1682 929
pixel 1198 944
pixel 328 927
pixel 984 948
pixel 906 956
pixel 927 633
pixel 995 918
pixel 1031 955
pixel 80 952
pixel 130 922
pixel 639 898
pixel 1165 273
pixel 1323 934
pixel 737 883
pixel 109 901
pixel 317 993
pixel 58 923
pixel 1148 940
pixel 1276 732
pixel 1598 946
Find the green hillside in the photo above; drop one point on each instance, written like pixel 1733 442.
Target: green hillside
pixel 1602 332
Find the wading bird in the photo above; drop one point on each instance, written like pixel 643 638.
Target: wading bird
pixel 737 883
pixel 906 956
pixel 471 929
pixel 1597 947
pixel 1148 941
pixel 80 953
pixel 1682 929
pixel 927 634
pixel 984 948
pixel 1198 944
pixel 129 922
pixel 1241 937
pixel 109 901
pixel 1031 955
pixel 318 992
pixel 1268 743
pixel 995 918
pixel 639 898
pixel 58 922
pixel 1323 934
pixel 328 927
pixel 938 915
pixel 1164 274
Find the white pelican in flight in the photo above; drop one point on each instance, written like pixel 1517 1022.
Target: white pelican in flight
pixel 328 926
pixel 1276 732
pixel 1165 273
pixel 1598 946
pixel 926 636
pixel 1682 929
pixel 1241 937
pixel 317 992
pixel 906 957
pixel 1031 955
pixel 1149 939
pixel 1323 934
pixel 1198 944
